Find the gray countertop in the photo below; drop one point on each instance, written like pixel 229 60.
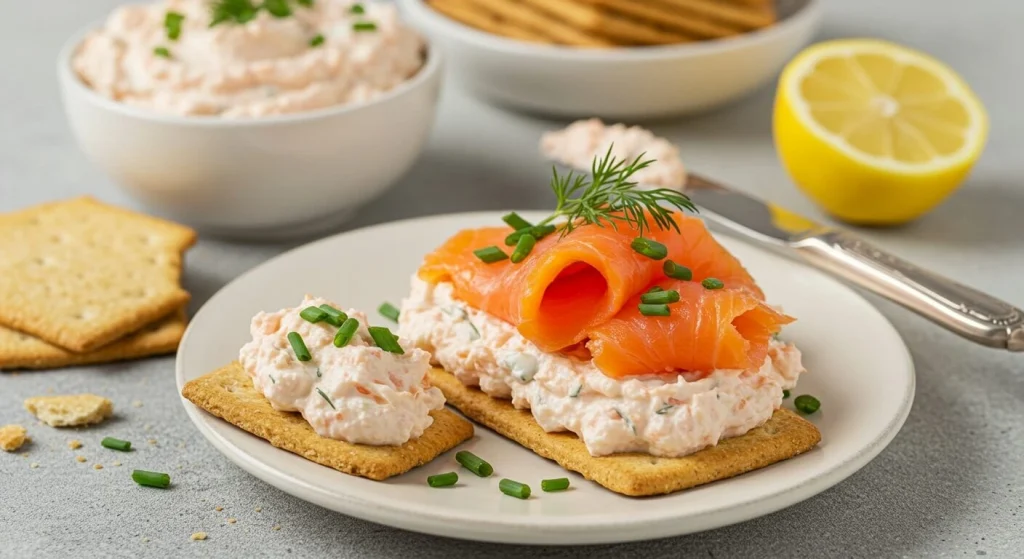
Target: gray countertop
pixel 950 484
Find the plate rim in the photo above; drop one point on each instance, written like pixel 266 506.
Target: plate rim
pixel 559 531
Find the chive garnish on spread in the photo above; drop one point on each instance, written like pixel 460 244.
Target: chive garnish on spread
pixel 474 463
pixel 299 346
pixel 443 480
pixel 151 479
pixel 677 271
pixel 649 248
pixel 660 297
pixel 388 311
pixel 537 231
pixel 162 52
pixel 559 484
pixel 317 40
pixel 523 248
pixel 490 254
pixel 172 23
pixel 313 314
pixel 514 489
pixel 785 394
pixel 361 26
pixel 664 409
pixel 334 316
pixel 384 339
pixel 277 8
pixel 515 221
pixel 806 404
pixel 712 283
pixel 655 289
pixel 116 444
pixel 357 9
pixel 654 310
pixel 345 333
pixel 327 399
pixel 576 391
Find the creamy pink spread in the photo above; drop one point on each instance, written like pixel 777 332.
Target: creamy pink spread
pixel 358 393
pixel 655 414
pixel 269 65
pixel 577 145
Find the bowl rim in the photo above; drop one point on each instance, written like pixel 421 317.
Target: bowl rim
pixel 70 82
pixel 807 14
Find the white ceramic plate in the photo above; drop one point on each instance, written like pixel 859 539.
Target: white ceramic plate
pixel 859 369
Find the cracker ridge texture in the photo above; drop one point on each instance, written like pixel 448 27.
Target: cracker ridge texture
pixel 80 274
pixel 21 351
pixel 783 436
pixel 228 394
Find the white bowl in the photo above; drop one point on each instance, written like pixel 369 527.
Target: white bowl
pixel 260 178
pixel 618 83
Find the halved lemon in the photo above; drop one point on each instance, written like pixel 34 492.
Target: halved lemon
pixel 874 132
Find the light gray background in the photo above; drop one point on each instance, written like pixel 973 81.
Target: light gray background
pixel 951 483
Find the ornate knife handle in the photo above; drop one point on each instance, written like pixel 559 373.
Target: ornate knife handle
pixel 961 309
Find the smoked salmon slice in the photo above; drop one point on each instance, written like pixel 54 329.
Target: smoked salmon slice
pixel 571 285
pixel 707 329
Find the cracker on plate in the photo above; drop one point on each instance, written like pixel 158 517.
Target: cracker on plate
pixel 783 436
pixel 228 393
pixel 80 274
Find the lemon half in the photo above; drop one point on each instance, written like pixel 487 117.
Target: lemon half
pixel 874 132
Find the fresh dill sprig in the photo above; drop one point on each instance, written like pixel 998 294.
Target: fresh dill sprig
pixel 609 196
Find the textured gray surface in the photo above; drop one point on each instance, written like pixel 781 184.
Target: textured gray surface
pixel 951 484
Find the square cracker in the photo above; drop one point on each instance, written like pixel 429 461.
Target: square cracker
pixel 80 274
pixel 228 393
pixel 21 351
pixel 783 436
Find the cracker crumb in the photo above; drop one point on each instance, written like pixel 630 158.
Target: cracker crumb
pixel 97 466
pixel 70 411
pixel 74 444
pixel 180 467
pixel 152 442
pixel 181 444
pixel 24 455
pixel 277 527
pixel 136 404
pixel 232 520
pixel 80 458
pixel 218 509
pixel 34 465
pixel 116 463
pixel 12 437
pixel 199 536
pixel 145 540
pixel 259 509
pixel 147 427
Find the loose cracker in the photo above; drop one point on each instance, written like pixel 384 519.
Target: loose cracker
pixel 80 274
pixel 70 411
pixel 785 435
pixel 228 393
pixel 12 437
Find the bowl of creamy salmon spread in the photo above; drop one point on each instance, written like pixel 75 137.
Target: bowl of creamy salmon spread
pixel 252 119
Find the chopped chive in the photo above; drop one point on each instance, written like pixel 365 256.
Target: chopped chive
pixel 162 52
pixel 627 421
pixel 116 444
pixel 151 479
pixel 388 311
pixel 317 40
pixel 785 394
pixel 318 375
pixel 677 271
pixel 474 463
pixel 514 489
pixel 649 248
pixel 327 398
pixel 172 23
pixel 560 484
pixel 538 232
pixel 345 333
pixel 313 314
pixel 664 409
pixel 490 254
pixel 515 221
pixel 523 248
pixel 360 26
pixel 712 283
pixel 655 289
pixel 305 3
pixel 357 9
pixel 385 340
pixel 654 310
pixel 806 404
pixel 663 297
pixel 277 8
pixel 443 480
pixel 576 391
pixel 334 316
pixel 299 346
pixel 272 379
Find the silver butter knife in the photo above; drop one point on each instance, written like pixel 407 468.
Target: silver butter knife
pixel 963 310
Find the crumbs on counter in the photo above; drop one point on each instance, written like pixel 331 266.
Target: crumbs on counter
pixel 199 536
pixel 70 411
pixel 97 466
pixel 13 437
pixel 81 459
pixel 74 444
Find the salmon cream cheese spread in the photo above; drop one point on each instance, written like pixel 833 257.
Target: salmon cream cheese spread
pixel 577 146
pixel 244 58
pixel 658 414
pixel 363 392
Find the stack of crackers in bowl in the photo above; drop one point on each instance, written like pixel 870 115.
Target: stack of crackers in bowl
pixel 611 23
pixel 82 282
